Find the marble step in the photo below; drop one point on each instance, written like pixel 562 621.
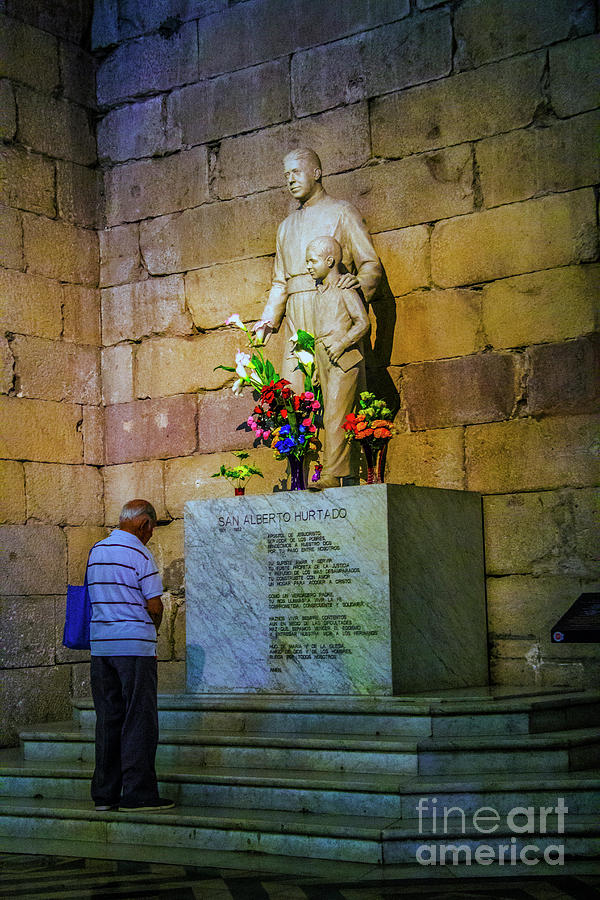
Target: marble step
pixel 477 711
pixel 559 751
pixel 320 752
pixel 313 792
pixel 371 839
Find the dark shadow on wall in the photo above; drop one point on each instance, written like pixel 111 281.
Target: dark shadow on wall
pixel 378 351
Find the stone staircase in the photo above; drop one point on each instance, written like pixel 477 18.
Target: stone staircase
pixel 321 778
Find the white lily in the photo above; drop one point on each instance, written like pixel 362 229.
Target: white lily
pixel 238 387
pixel 241 361
pixel 234 319
pixel 294 338
pixel 306 358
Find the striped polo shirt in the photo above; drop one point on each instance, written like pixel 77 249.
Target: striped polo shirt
pixel 122 575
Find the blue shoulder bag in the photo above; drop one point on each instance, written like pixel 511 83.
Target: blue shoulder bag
pixel 78 615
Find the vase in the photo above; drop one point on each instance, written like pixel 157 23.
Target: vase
pixel 239 491
pixel 375 457
pixel 297 474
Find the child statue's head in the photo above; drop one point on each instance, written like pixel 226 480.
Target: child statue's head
pixel 323 255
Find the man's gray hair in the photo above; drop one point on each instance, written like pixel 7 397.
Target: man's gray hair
pixel 136 508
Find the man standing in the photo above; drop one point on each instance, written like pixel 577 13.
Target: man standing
pixel 293 292
pixel 125 592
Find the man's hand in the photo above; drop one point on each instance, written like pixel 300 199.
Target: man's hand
pixel 155 610
pixel 334 350
pixel 348 281
pixel 262 330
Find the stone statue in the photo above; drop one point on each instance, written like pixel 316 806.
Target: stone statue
pixel 293 292
pixel 340 323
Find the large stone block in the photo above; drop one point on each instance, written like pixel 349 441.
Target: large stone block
pixel 213 293
pixel 120 255
pixel 385 59
pixel 30 304
pixel 28 54
pixel 531 454
pixel 12 496
pixel 7 365
pixel 137 17
pixel 522 164
pixel 55 127
pixel 245 35
pixel 60 250
pixel 480 388
pixel 222 421
pixel 137 190
pixel 78 74
pixel 564 377
pixel 26 181
pixel 40 430
pixel 492 29
pixel 81 314
pixel 553 532
pixel 192 478
pixel 11 238
pixel 56 370
pixel 8 111
pixel 80 541
pixel 509 240
pixel 132 311
pixel 79 193
pixel 428 458
pixel 574 71
pixel 167 366
pixel 156 62
pixel 464 107
pixel 254 162
pixel 241 101
pixel 151 429
pixel 124 483
pixel 34 560
pixel 68 19
pixel 529 605
pixel 405 257
pixel 39 694
pixel 326 596
pixel 64 495
pixel 27 631
pixel 117 374
pixel 213 233
pixel 544 306
pixel 167 548
pixel 436 325
pixel 434 186
pixel 136 130
pixel 93 435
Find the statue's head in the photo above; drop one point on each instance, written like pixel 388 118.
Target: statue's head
pixel 322 255
pixel 302 169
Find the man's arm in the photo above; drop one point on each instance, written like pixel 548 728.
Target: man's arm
pixel 275 309
pixel 366 261
pixel 154 605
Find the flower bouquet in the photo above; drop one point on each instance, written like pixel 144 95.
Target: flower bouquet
pixel 372 425
pixel 282 419
pixel 239 474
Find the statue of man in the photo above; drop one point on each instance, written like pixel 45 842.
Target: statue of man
pixel 293 292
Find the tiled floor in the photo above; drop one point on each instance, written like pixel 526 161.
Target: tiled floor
pixel 57 877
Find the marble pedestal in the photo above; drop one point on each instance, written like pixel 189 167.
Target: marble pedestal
pixel 377 589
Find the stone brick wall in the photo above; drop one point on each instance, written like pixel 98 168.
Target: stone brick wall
pixel 51 417
pixel 461 129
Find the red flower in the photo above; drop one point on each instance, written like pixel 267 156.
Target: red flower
pixel 283 413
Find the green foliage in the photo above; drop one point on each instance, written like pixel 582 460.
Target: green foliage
pixel 239 474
